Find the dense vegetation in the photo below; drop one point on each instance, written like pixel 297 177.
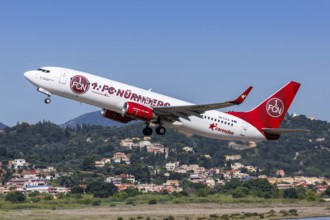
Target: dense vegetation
pixel 77 148
pixel 252 191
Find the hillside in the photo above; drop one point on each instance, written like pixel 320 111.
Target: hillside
pixel 92 118
pixel 46 143
pixel 2 126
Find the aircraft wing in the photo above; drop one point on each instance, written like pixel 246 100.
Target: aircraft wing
pixel 173 113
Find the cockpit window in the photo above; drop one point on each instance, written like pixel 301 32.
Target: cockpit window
pixel 43 70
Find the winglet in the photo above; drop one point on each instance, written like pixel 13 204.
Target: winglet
pixel 242 97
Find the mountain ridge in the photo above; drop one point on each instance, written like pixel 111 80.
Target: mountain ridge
pixel 92 118
pixel 2 126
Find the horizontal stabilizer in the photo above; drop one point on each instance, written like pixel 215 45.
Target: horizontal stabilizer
pixel 282 130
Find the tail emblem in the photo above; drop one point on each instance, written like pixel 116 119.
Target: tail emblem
pixel 275 107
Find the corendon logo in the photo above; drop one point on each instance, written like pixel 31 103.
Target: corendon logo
pixel 214 127
pixel 79 84
pixel 275 107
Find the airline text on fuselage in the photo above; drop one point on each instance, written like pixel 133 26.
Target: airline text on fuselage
pixel 127 94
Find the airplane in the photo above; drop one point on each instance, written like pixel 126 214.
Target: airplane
pixel 125 103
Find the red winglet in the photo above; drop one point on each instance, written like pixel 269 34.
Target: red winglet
pixel 243 96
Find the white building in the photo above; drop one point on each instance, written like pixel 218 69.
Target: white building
pixel 102 162
pixel 18 163
pixel 114 180
pixel 233 157
pixel 129 142
pixel 171 166
pixel 120 157
pixel 146 144
pixel 237 166
pixel 188 149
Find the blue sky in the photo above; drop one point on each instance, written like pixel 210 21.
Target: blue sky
pixel 199 51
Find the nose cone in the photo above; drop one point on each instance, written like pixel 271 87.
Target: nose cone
pixel 30 75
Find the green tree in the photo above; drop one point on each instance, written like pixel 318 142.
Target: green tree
pixel 3 152
pixel 101 189
pixel 67 181
pixel 259 187
pixel 140 172
pixel 327 192
pixel 203 192
pixel 310 196
pixel 135 158
pixel 34 194
pixel 88 163
pixel 232 184
pixel 190 188
pixel 77 190
pixel 302 192
pixel 290 193
pixel 7 176
pixel 132 191
pixel 15 197
pixel 239 192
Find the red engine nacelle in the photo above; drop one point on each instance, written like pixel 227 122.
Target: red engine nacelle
pixel 115 116
pixel 138 111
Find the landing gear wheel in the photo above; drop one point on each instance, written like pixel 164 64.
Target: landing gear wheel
pixel 48 100
pixel 147 131
pixel 160 130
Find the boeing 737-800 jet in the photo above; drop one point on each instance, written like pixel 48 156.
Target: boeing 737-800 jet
pixel 124 103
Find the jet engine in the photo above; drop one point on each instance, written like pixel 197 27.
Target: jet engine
pixel 138 111
pixel 115 116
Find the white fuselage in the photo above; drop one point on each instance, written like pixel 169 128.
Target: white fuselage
pixel 112 95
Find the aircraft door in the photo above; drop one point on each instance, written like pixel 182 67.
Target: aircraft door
pixel 244 129
pixel 63 77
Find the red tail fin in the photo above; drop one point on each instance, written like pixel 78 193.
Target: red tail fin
pixel 270 113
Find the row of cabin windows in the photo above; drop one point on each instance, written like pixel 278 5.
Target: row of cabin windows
pixel 218 120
